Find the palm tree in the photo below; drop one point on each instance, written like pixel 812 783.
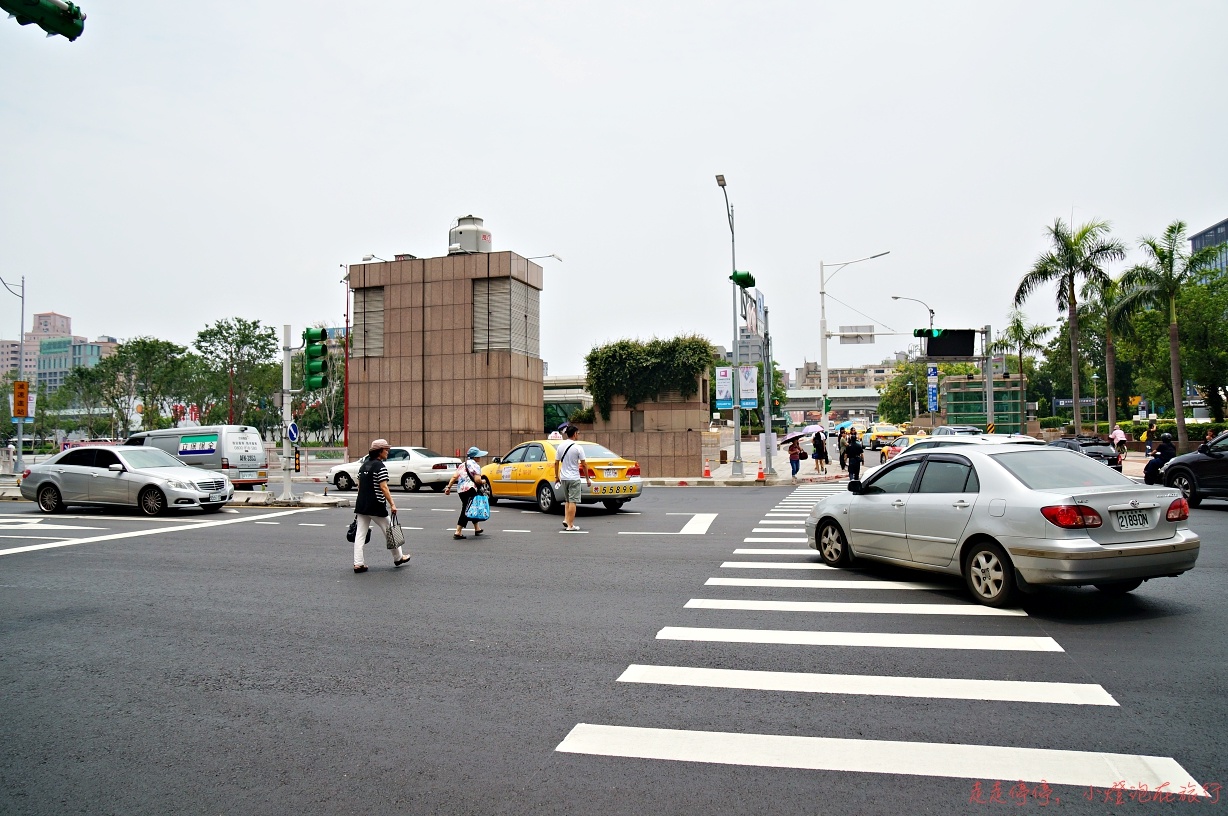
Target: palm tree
pixel 1023 339
pixel 1110 298
pixel 1158 283
pixel 1074 255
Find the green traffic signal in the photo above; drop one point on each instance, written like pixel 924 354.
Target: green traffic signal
pixel 315 359
pixel 52 16
pixel 927 332
pixel 745 280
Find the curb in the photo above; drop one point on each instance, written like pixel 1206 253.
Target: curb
pixel 702 482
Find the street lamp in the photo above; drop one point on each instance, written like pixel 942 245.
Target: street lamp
pixel 1095 404
pixel 823 323
pixel 923 303
pixel 737 395
pixel 551 255
pixel 369 258
pixel 19 463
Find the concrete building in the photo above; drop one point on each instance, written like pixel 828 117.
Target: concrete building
pixel 445 352
pixel 1215 234
pixel 60 355
pixel 867 376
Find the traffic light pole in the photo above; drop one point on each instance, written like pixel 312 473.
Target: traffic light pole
pixel 767 392
pixel 287 416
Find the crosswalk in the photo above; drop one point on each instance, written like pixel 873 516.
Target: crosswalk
pixel 908 632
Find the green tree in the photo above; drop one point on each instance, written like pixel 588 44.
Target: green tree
pixel 1073 256
pixel 235 349
pixel 1023 339
pixel 152 366
pixel 1107 297
pixel 1158 283
pixel 1204 355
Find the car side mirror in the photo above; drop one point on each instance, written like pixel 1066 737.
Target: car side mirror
pixel 496 460
pixel 855 487
pixel 117 467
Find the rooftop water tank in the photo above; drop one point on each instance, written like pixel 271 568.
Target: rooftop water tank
pixel 468 235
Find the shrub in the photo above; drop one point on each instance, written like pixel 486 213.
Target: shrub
pixel 642 371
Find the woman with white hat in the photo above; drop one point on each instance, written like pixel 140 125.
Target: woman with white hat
pixel 468 481
pixel 374 503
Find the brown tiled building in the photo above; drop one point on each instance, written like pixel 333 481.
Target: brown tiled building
pixel 445 352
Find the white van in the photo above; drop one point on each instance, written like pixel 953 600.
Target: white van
pixel 234 450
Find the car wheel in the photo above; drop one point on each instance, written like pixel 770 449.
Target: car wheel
pixel 49 500
pixel 1120 587
pixel 989 574
pixel 438 486
pixel 490 493
pixel 344 482
pixel 1185 483
pixel 833 548
pixel 411 483
pixel 613 505
pixel 151 501
pixel 545 498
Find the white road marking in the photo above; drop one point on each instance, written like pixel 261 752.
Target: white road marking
pixel 138 533
pixel 773 565
pixel 8 528
pixel 752 540
pixel 268 522
pixel 945 688
pixel 782 514
pixel 969 609
pixel 790 551
pixel 781 521
pixel 573 532
pixel 34 537
pixel 305 524
pixel 819 583
pixel 888 640
pixel 698 525
pixel 779 531
pixel 1055 767
pixel 515 531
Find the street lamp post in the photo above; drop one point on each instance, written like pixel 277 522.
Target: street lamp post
pixel 737 395
pixel 19 463
pixel 823 326
pixel 923 303
pixel 1095 404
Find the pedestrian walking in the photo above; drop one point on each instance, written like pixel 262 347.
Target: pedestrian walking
pixel 854 453
pixel 468 480
pixel 1151 437
pixel 374 503
pixel 1118 440
pixel 569 465
pixel 820 452
pixel 842 443
pixel 795 458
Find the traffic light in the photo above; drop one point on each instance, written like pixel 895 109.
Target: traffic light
pixel 52 16
pixel 315 359
pixel 927 332
pixel 744 280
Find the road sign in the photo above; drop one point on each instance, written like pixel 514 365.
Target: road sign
pixel 856 335
pixel 748 384
pixel 931 372
pixel 25 421
pixel 991 428
pixel 292 432
pixel 932 393
pixel 724 388
pixel 21 398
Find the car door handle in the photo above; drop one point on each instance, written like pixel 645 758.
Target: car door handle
pixel 897 503
pixel 961 504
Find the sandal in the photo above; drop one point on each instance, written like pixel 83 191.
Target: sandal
pixel 457 535
pixel 478 532
pixel 404 560
pixel 360 568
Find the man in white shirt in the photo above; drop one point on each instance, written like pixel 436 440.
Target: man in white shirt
pixel 569 468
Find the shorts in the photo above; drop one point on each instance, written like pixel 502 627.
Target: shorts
pixel 571 491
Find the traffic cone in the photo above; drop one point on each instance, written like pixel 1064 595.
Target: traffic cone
pixel 760 477
pixel 707 469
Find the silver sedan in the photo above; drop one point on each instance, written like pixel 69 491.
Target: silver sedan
pixel 1008 518
pixel 147 478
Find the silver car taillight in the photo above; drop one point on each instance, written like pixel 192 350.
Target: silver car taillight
pixel 1179 510
pixel 1072 516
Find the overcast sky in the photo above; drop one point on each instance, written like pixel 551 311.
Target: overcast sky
pixel 186 162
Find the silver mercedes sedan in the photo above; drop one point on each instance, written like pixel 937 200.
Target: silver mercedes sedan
pixel 147 478
pixel 1008 518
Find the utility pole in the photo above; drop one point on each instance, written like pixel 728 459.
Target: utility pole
pixel 767 393
pixel 985 345
pixel 287 416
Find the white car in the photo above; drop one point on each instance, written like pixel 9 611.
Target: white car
pixel 411 468
pixel 951 440
pixel 1008 518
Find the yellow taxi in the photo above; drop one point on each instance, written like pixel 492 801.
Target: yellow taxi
pixel 879 435
pixel 899 445
pixel 526 473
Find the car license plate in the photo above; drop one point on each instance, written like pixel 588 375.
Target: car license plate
pixel 215 497
pixel 247 474
pixel 611 473
pixel 1133 520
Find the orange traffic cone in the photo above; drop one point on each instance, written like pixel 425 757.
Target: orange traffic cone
pixel 760 477
pixel 707 469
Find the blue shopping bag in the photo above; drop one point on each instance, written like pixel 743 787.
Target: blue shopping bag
pixel 479 508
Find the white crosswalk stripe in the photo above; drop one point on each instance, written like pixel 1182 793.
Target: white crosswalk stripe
pixel 838 598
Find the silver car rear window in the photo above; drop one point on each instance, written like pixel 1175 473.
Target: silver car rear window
pixel 1057 469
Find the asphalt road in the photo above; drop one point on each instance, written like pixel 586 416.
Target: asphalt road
pixel 234 663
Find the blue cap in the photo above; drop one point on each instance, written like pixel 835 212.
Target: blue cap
pixel 476 453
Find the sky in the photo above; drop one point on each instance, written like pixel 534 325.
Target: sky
pixel 182 163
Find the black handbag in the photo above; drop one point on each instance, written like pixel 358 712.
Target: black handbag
pixel 352 532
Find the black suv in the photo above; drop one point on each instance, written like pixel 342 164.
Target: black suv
pixel 1099 449
pixel 1202 474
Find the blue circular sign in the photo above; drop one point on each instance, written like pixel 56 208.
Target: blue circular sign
pixel 292 432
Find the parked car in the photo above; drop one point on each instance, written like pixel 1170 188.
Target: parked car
pixel 952 440
pixel 879 435
pixel 235 451
pixel 411 468
pixel 1095 447
pixel 526 473
pixel 897 447
pixel 957 430
pixel 143 477
pixel 1200 474
pixel 1008 518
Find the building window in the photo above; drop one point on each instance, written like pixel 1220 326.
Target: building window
pixel 506 316
pixel 368 325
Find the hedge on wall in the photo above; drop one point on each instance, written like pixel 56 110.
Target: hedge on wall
pixel 642 371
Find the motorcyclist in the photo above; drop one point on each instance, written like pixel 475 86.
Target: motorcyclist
pixel 1159 458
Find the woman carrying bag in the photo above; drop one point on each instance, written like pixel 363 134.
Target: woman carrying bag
pixel 468 480
pixel 374 503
